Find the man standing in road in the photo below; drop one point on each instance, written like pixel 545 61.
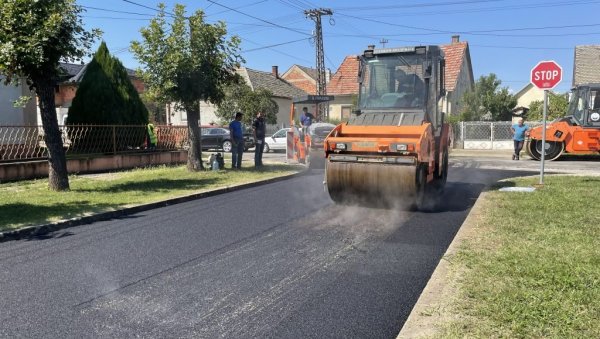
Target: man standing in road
pixel 237 141
pixel 520 131
pixel 259 128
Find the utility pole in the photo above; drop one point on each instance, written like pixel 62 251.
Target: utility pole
pixel 315 15
pixel 383 41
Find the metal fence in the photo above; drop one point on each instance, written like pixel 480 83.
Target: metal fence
pixel 485 135
pixel 27 142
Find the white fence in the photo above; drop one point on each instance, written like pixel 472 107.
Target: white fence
pixel 485 135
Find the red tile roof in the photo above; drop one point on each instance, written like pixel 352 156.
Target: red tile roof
pixel 345 80
pixel 454 54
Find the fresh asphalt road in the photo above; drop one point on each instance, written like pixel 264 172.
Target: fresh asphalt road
pixel 278 260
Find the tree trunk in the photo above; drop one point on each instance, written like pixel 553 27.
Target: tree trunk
pixel 194 162
pixel 58 179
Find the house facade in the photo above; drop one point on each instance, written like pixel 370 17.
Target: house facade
pixel 302 77
pixel 16 116
pixel 344 87
pixel 283 94
pixel 458 75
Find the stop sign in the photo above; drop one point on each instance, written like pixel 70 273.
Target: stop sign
pixel 546 74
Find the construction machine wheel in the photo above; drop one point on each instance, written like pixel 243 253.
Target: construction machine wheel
pixel 371 184
pixel 440 178
pixel 554 149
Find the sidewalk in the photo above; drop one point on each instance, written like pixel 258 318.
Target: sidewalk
pixel 494 153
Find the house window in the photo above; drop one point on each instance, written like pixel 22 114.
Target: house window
pixel 346 112
pixel 183 115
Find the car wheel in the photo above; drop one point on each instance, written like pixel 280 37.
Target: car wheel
pixel 227 146
pixel 266 149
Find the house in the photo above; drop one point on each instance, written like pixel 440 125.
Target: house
pixel 344 87
pixel 302 77
pixel 283 94
pixel 16 116
pixel 67 88
pixel 586 65
pixel 458 75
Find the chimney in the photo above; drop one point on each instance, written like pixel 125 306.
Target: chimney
pixel 371 47
pixel 455 39
pixel 275 71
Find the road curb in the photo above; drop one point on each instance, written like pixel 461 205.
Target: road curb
pixel 37 230
pixel 423 320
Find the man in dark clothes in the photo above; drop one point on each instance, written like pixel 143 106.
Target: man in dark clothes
pixel 259 128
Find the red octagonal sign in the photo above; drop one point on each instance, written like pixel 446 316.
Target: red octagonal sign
pixel 546 74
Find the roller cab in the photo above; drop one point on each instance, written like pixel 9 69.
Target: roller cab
pixel 394 148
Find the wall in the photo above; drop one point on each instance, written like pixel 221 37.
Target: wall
pixel 11 115
pixel 464 84
pixel 39 169
pixel 299 79
pixel 335 107
pixel 531 94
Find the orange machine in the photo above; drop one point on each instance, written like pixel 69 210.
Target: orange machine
pixel 577 133
pixel 395 145
pixel 298 141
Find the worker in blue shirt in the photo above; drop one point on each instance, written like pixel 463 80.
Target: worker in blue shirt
pixel 520 131
pixel 237 141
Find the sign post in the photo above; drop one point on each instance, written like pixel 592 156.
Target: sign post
pixel 545 75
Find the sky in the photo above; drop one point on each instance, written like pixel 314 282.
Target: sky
pixel 506 37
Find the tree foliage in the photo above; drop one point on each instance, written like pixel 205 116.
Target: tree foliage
pixel 106 95
pixel 488 100
pixel 34 37
pixel 557 107
pixel 185 62
pixel 241 98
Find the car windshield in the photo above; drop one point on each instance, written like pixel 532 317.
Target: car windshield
pixel 320 129
pixel 392 81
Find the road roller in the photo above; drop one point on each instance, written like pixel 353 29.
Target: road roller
pixel 576 133
pixel 394 147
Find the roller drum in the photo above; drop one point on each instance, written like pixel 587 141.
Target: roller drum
pixel 349 182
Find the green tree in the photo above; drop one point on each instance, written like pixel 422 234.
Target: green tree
pixel 106 95
pixel 186 62
pixel 557 107
pixel 241 98
pixel 34 37
pixel 488 99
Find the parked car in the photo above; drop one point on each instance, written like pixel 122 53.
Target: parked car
pixel 277 141
pixel 318 132
pixel 219 138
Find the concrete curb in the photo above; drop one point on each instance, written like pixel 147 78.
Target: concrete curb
pixel 32 231
pixel 424 319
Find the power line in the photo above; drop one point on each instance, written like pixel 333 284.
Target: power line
pixel 417 5
pixel 259 19
pixel 274 45
pixel 477 32
pixel 115 11
pixel 487 9
pixel 278 51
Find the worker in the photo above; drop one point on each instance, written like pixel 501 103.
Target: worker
pixel 259 128
pixel 520 131
pixel 151 138
pixel 237 141
pixel 306 119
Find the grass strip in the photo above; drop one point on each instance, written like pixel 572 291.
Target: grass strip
pixel 30 202
pixel 533 267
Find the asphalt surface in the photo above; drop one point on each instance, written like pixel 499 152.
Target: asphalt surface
pixel 278 261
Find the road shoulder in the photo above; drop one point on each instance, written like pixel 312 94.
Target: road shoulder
pixel 431 308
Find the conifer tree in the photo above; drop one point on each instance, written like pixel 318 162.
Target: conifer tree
pixel 106 95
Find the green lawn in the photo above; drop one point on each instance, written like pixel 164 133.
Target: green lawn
pixel 30 202
pixel 533 268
